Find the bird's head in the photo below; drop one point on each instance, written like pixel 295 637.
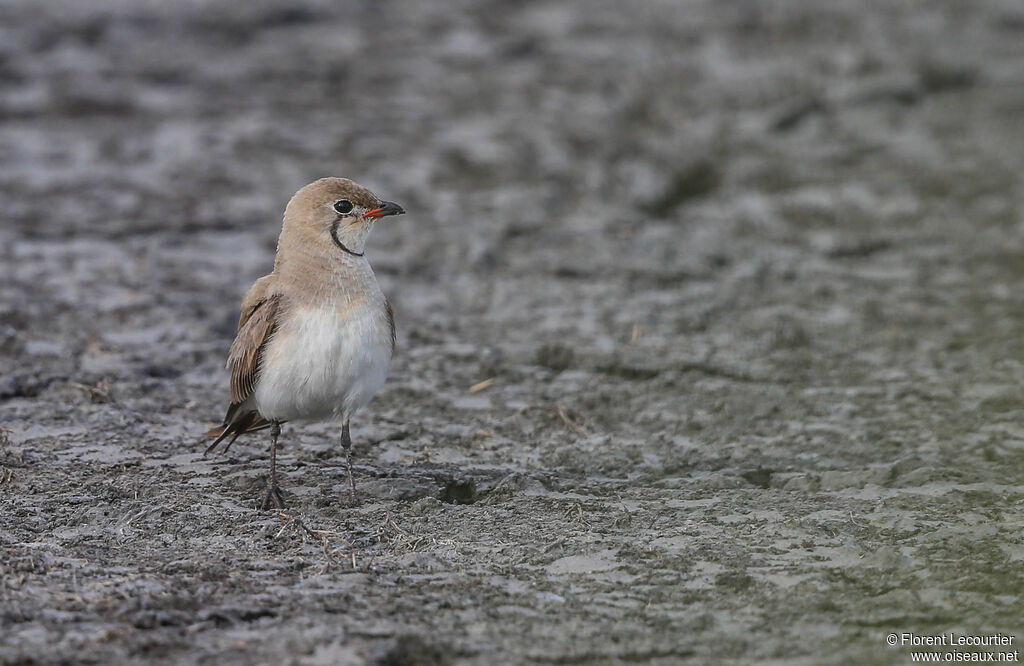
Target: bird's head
pixel 337 211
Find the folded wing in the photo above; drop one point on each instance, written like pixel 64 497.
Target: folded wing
pixel 256 327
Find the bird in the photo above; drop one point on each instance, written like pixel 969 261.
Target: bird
pixel 316 336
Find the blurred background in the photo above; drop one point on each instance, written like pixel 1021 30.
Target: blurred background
pixel 742 281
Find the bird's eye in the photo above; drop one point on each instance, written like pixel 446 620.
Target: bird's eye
pixel 343 206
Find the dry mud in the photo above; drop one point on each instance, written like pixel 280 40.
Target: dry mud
pixel 745 278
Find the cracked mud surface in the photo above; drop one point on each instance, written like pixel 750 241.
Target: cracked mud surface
pixel 746 278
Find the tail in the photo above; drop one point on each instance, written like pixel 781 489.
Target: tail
pixel 234 426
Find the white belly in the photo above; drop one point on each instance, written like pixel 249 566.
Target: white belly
pixel 323 364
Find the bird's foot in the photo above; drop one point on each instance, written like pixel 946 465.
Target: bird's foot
pixel 273 498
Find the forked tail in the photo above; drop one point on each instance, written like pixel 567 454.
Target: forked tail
pixel 234 426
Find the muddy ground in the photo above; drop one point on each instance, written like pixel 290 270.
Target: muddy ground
pixel 744 277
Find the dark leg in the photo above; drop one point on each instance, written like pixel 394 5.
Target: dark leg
pixel 346 443
pixel 273 492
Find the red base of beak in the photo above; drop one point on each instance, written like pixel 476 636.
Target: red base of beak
pixel 386 208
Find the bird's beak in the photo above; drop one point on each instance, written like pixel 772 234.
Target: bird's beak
pixel 386 208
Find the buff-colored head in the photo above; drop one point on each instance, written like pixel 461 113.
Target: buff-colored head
pixel 333 212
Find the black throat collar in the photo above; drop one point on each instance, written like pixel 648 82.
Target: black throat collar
pixel 337 241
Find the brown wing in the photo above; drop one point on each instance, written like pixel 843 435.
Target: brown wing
pixel 247 349
pixel 256 324
pixel 391 323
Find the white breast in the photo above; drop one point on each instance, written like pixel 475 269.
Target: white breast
pixel 324 364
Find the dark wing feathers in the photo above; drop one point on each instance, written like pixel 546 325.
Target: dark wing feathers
pixel 255 327
pixel 247 349
pixel 391 323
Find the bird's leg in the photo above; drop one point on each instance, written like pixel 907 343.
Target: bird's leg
pixel 273 492
pixel 346 443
